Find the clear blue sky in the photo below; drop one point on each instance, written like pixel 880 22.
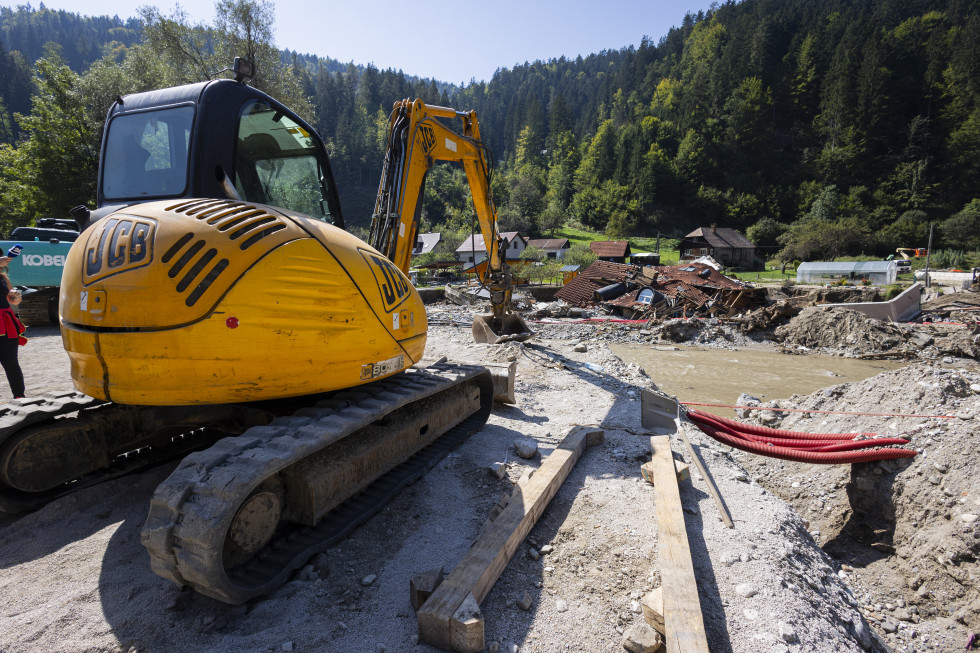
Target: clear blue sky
pixel 449 42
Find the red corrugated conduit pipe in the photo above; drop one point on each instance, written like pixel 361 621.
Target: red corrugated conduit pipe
pixel 825 448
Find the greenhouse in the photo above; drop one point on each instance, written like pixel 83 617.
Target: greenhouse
pixel 878 273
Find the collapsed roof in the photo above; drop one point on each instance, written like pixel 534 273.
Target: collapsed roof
pixel 617 285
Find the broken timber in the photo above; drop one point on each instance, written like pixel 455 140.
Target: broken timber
pixel 450 618
pixel 683 472
pixel 683 622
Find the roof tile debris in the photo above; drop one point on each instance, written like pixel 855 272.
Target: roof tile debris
pixel 580 291
pixel 674 290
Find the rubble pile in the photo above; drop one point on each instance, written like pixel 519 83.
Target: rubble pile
pixel 820 327
pixel 655 293
pixel 957 307
pixel 786 304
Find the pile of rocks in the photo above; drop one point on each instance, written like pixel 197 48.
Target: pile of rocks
pixel 905 533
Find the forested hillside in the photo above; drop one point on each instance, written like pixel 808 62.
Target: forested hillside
pixel 820 127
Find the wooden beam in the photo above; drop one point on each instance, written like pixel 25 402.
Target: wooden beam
pixel 683 472
pixel 708 480
pixel 683 621
pixel 444 620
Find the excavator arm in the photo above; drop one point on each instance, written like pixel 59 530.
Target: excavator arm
pixel 416 141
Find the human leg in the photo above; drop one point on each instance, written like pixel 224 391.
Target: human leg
pixel 8 358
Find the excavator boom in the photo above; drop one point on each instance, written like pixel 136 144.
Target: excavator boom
pixel 417 139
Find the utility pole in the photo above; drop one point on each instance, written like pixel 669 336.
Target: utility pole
pixel 928 254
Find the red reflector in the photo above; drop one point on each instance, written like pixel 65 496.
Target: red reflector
pixel 232 322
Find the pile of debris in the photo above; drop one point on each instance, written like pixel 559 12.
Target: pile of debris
pixel 659 292
pixel 784 306
pixel 956 307
pixel 822 326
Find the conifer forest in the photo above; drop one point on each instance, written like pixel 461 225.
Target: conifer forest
pixel 816 127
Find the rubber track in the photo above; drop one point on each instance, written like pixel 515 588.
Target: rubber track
pixel 191 511
pixel 21 413
pixel 35 411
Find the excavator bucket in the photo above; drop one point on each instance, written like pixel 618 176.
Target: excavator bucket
pixel 512 327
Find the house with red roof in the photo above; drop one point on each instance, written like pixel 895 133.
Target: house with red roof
pixel 614 251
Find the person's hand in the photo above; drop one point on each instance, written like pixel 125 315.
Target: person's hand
pixel 14 297
pixel 5 261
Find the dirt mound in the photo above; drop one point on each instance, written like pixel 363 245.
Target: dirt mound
pixel 701 332
pixel 841 329
pixel 905 533
pixel 836 295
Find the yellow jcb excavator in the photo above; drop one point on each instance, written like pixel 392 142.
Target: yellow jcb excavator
pixel 214 301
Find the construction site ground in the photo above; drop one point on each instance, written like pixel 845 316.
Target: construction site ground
pixel 870 557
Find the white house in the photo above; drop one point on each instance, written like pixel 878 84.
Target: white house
pixel 425 243
pixel 472 251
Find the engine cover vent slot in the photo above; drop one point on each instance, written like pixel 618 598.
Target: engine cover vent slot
pixel 236 219
pixel 196 268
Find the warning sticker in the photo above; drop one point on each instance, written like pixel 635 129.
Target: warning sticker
pixel 382 368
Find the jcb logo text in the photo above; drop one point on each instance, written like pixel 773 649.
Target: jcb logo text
pixel 118 244
pixel 394 286
pixel 427 137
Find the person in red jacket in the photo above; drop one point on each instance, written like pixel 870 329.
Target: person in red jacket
pixel 11 331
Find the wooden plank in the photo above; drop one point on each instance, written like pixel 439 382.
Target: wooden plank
pixel 682 607
pixel 488 557
pixel 683 472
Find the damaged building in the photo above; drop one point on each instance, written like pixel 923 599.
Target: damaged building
pixel 659 292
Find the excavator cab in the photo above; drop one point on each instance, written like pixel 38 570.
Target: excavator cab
pixel 178 142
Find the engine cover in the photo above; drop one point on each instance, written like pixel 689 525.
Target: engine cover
pixel 214 301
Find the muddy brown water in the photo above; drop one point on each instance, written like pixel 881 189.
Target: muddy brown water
pixel 719 376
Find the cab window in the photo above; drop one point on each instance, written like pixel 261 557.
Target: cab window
pixel 277 162
pixel 146 154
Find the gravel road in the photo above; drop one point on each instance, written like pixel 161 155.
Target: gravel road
pixel 75 577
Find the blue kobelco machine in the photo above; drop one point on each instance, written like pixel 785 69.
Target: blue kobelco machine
pixel 37 271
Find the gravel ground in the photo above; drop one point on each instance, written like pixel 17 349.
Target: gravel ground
pixel 75 578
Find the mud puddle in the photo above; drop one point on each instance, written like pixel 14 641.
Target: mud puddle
pixel 720 376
